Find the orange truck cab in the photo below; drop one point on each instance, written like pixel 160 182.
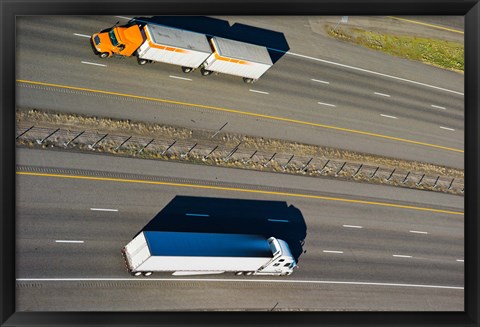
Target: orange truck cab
pixel 120 40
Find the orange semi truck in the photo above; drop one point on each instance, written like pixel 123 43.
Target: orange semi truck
pixel 190 50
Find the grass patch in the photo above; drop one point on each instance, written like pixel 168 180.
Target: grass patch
pixel 440 53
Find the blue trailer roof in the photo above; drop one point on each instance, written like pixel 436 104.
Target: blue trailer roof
pixel 206 244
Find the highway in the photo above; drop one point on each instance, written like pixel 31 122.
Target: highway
pixel 76 229
pixel 302 98
pixel 368 247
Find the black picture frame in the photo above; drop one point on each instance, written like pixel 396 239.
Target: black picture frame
pixel 471 11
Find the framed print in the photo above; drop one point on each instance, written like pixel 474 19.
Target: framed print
pixel 274 163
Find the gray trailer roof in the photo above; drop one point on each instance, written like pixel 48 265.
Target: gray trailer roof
pixel 206 244
pixel 241 50
pixel 178 38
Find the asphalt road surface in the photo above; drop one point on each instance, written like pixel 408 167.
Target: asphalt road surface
pixel 367 247
pixel 367 102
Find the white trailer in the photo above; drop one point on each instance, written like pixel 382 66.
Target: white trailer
pixel 237 58
pixel 173 46
pixel 185 253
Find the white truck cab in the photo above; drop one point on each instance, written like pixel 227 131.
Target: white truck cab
pixel 282 262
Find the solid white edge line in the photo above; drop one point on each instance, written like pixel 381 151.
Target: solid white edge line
pixel 319 81
pixel 184 78
pixel 352 226
pixel 418 232
pixel 447 128
pixel 92 63
pixel 382 94
pixel 67 241
pixel 443 108
pixel 402 256
pixel 123 17
pixel 327 104
pixel 460 260
pixel 100 209
pixel 82 35
pixel 331 251
pixel 232 280
pixel 387 116
pixel 372 72
pixel 259 91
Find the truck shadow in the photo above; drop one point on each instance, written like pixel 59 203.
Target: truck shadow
pixel 275 42
pixel 233 216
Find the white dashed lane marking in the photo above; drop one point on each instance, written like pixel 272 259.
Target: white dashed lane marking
pixel 326 104
pixel 92 63
pixel 447 128
pixel 387 116
pixel 184 78
pixel 259 91
pixel 352 226
pixel 320 81
pixel 418 232
pixel 82 35
pixel 101 209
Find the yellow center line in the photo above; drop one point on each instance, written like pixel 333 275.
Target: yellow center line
pixel 429 25
pixel 234 189
pixel 288 120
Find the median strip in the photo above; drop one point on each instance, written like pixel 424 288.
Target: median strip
pixel 163 142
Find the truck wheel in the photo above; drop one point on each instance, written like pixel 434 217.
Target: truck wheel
pixel 103 55
pixel 148 273
pixel 248 80
pixel 239 273
pixel 142 61
pixel 136 274
pixel 186 69
pixel 205 72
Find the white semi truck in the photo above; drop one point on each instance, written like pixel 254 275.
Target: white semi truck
pixel 190 50
pixel 186 253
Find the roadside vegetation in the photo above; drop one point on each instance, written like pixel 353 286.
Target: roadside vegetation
pixel 440 53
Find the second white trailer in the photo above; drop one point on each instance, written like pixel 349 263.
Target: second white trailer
pixel 237 58
pixel 173 46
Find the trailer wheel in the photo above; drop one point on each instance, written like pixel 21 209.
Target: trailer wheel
pixel 148 273
pixel 248 80
pixel 142 61
pixel 103 55
pixel 136 274
pixel 249 273
pixel 205 72
pixel 239 273
pixel 186 69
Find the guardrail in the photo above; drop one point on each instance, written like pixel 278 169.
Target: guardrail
pixel 216 153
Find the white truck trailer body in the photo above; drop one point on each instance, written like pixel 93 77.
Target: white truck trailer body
pixel 238 58
pixel 174 46
pixel 198 253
